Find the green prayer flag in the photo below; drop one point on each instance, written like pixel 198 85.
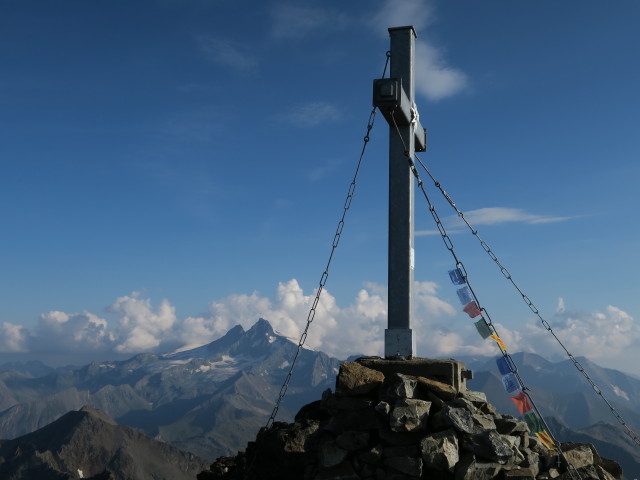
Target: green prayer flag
pixel 483 328
pixel 533 422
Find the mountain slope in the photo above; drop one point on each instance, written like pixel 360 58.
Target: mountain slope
pixel 87 443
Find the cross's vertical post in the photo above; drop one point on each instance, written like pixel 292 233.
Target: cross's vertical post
pixel 399 341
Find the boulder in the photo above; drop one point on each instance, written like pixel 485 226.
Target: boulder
pixel 354 379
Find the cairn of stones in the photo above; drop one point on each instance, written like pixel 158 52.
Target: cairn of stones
pixel 395 426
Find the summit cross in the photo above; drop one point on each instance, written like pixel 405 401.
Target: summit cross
pixel 394 97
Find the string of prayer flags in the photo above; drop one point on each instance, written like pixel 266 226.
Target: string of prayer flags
pixel 499 341
pixel 456 277
pixel 464 294
pixel 504 365
pixel 507 368
pixel 472 310
pixel 522 403
pixel 511 383
pixel 483 328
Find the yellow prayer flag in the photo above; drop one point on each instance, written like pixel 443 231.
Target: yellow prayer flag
pixel 499 341
pixel 546 440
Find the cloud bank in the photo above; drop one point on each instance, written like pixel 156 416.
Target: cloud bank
pixel 132 324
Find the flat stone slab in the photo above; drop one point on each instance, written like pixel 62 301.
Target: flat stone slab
pixel 449 372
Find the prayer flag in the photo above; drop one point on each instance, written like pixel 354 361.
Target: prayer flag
pixel 533 422
pixel 464 294
pixel 546 440
pixel 504 365
pixel 511 383
pixel 499 341
pixel 456 277
pixel 472 310
pixel 483 328
pixel 522 402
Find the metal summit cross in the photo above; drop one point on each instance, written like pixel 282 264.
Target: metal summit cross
pixel 394 97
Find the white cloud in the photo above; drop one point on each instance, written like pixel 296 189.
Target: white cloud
pixel 610 336
pixel 434 77
pixel 13 338
pixel 139 327
pixel 294 21
pixel 493 216
pixel 61 331
pixel 228 53
pixel 311 114
pixel 400 13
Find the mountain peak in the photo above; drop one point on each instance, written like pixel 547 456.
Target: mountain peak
pixel 263 327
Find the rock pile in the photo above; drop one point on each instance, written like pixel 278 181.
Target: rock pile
pixel 404 427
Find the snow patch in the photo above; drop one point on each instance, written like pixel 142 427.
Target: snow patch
pixel 80 473
pixel 621 393
pixel 272 339
pixel 284 364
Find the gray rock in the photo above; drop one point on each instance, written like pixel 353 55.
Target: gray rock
pixel 483 422
pixel 488 445
pixel 461 402
pixel 473 396
pixel 459 418
pixel 409 415
pixel 383 408
pixel 351 440
pixel 440 450
pixel 519 474
pixel 470 469
pixel 439 389
pixel 331 454
pixel 354 379
pixel 398 386
pixel 407 465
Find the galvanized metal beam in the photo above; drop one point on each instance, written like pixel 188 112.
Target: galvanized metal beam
pixel 399 341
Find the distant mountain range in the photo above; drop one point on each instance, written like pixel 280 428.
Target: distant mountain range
pixel 561 391
pixel 209 400
pixel 213 399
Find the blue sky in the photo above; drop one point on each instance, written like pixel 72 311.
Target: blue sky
pixel 171 168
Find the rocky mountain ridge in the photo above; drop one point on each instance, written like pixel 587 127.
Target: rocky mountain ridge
pixel 88 444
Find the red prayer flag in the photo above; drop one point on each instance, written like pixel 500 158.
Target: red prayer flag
pixel 472 309
pixel 522 402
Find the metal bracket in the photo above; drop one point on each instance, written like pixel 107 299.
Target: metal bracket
pixel 392 101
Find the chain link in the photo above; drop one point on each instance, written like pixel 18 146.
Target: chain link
pixel 575 475
pixel 325 275
pixel 532 307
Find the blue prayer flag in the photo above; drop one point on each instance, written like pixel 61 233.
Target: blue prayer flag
pixel 504 365
pixel 456 277
pixel 511 383
pixel 464 294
